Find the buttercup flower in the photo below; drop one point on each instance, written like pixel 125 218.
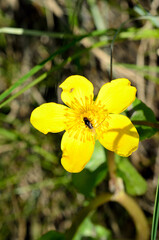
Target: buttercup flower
pixel 85 120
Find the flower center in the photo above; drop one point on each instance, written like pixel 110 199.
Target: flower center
pixel 82 123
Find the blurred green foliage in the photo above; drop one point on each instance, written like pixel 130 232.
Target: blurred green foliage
pixel 134 182
pixel 40 45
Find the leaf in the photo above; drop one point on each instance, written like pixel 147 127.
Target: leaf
pixel 138 111
pixel 52 235
pixel 94 172
pixel 142 12
pixel 89 230
pixel 135 184
pixel 142 69
pixel 137 34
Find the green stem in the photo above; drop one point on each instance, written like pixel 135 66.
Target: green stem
pixel 111 164
pixel 104 198
pixel 36 33
pixel 139 219
pixel 22 31
pixel 130 205
pixel 145 123
pixel 113 181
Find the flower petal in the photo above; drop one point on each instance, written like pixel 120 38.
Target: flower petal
pixel 49 117
pixel 116 95
pixel 121 136
pixel 76 153
pixel 77 91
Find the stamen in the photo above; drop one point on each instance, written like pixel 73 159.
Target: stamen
pixel 85 119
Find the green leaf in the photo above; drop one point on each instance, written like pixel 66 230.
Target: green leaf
pixel 88 230
pixel 138 111
pixel 52 235
pixel 145 68
pixel 35 33
pixel 135 184
pixel 137 34
pixel 94 172
pixel 142 12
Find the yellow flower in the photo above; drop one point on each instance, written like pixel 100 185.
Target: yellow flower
pixel 85 120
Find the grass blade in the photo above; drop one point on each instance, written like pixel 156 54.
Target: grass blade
pixel 44 75
pixel 155 215
pixel 35 70
pixel 35 33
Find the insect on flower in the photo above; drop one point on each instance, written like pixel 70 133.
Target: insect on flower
pixel 88 123
pixel 85 120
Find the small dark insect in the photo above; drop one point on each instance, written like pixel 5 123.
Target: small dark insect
pixel 87 123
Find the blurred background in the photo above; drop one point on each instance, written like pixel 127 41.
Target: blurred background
pixel 36 193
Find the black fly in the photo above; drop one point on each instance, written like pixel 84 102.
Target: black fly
pixel 87 123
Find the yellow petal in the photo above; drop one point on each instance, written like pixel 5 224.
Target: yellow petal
pixel 116 95
pixel 49 117
pixel 77 91
pixel 76 153
pixel 120 137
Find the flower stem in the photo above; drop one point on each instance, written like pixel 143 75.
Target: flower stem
pixel 139 219
pixel 111 164
pixel 145 123
pixel 130 205
pixel 115 183
pixel 116 186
